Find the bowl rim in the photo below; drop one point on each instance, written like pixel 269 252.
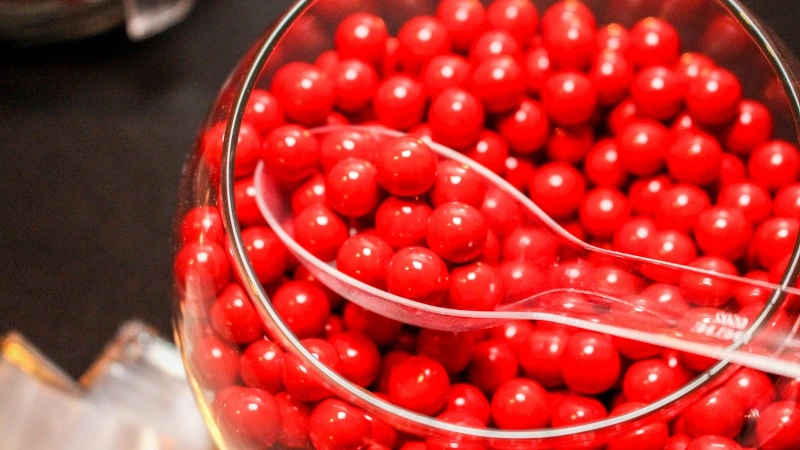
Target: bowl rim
pixel 771 49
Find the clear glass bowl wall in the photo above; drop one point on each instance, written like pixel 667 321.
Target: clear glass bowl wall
pixel 713 27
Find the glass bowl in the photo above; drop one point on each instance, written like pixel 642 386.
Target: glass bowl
pixel 723 29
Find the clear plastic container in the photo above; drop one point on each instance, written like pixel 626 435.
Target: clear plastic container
pixel 724 30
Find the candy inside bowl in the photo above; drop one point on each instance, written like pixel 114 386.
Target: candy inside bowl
pixel 322 350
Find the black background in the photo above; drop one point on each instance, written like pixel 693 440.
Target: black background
pixel 93 136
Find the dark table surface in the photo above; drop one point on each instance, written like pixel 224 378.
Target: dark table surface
pixel 93 135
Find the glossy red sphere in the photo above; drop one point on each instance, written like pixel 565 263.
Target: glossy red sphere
pixel 719 413
pixel 456 118
pixel 351 187
pixel 335 424
pixel 305 92
pixel 456 182
pixel 234 317
pixel 695 158
pixel 290 153
pixel 557 188
pixel 724 232
pixel 774 164
pixel 457 232
pixel 494 362
pixel 420 384
pixel 421 38
pixel 469 399
pixel 399 102
pixel 406 166
pixel 320 231
pixel 300 382
pixel 603 211
pixel 643 146
pixel 679 207
pixel 778 426
pixel 654 41
pixel 475 287
pixel 569 98
pixel 346 143
pixel 303 307
pixel 418 274
pixel 526 128
pixel 749 198
pixel 713 97
pixel 751 128
pixel 361 35
pixel 464 20
pixel 365 257
pixel 261 366
pixel 248 417
pixel 402 222
pixel 657 92
pixel 649 380
pixel 590 363
pixel 445 71
pixel 499 82
pixel 520 404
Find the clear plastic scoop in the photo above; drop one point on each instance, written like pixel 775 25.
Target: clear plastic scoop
pixel 579 289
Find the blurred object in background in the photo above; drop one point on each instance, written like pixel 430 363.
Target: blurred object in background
pixel 29 22
pixel 135 397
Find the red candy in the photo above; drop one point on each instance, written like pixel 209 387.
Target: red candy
pixel 569 98
pixel 526 128
pixel 234 317
pixel 649 380
pixel 520 404
pixel 493 363
pixel 402 222
pixel 334 424
pixel 305 92
pixel 464 20
pixel 247 416
pixel 457 232
pixel 720 413
pixel 695 158
pixel 557 188
pixel 351 187
pixel 657 93
pixel 420 384
pixel 456 118
pixel 498 81
pixel 421 38
pixel 653 41
pixel 417 273
pixel 518 17
pixel 399 102
pixel 624 142
pixel 361 35
pixel 643 146
pixel 261 366
pixel 406 166
pixel 445 71
pixel 774 164
pixel 320 231
pixel 590 363
pixel 470 400
pixel 364 257
pixel 303 306
pixel 354 84
pixel 713 97
pixel 290 153
pixel 476 287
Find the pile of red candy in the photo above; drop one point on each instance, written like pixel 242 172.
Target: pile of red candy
pixel 626 142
